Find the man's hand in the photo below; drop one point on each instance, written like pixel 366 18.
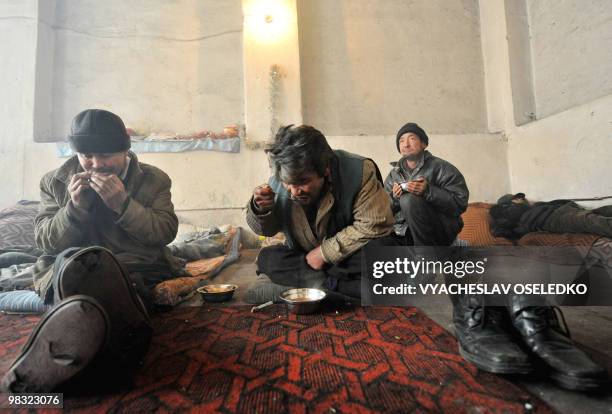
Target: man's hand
pixel 397 190
pixel 418 186
pixel 314 258
pixel 78 188
pixel 110 189
pixel 263 196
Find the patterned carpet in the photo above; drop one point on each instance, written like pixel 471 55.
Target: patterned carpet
pixel 226 359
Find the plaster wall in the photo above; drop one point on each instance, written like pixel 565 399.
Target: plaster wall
pixel 208 188
pixel 164 66
pixel 572 62
pixel 565 155
pixel 369 66
pixel 18 26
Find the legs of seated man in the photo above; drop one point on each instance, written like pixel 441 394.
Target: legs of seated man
pixel 288 267
pixel 426 226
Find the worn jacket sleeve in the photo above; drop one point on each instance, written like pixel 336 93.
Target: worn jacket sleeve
pixel 57 227
pixel 263 223
pixel 395 205
pixel 449 193
pixel 154 225
pixel 372 219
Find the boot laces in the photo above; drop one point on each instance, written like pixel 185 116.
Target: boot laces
pixel 560 325
pixel 486 315
pixel 557 311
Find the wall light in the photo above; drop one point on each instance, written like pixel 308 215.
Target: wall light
pixel 266 20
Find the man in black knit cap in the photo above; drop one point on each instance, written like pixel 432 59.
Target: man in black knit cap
pixel 428 194
pixel 104 222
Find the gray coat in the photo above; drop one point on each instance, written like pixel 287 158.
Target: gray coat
pixel 447 191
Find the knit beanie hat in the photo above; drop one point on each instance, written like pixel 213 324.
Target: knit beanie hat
pixel 507 198
pixel 95 131
pixel 415 129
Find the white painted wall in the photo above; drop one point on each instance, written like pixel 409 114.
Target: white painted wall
pixel 369 66
pixel 566 155
pixel 91 53
pixel 18 28
pixel 571 48
pixel 561 156
pixel 164 66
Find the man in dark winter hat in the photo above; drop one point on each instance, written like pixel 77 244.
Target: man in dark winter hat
pixel 428 194
pixel 104 222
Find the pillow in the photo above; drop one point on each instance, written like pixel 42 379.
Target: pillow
pixel 477 229
pixel 17 224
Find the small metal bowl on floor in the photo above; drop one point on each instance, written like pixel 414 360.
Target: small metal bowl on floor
pixel 217 293
pixel 303 300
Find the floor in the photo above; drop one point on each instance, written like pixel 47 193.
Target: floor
pixel 591 328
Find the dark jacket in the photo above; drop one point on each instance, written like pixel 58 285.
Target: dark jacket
pixel 513 221
pixel 138 236
pixel 447 191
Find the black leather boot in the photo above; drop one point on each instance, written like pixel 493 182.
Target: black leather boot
pixel 568 366
pixel 484 337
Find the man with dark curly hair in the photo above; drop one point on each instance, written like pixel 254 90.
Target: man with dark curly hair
pixel 328 203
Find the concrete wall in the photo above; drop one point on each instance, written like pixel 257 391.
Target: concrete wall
pixel 519 51
pixel 18 28
pixel 89 54
pixel 566 155
pixel 572 61
pixel 369 66
pixel 164 66
pixel 561 156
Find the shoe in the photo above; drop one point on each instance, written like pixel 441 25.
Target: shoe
pixel 95 272
pixel 484 337
pixel 264 290
pixel 65 341
pixel 541 331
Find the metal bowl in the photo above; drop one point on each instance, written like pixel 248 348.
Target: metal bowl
pixel 217 293
pixel 303 300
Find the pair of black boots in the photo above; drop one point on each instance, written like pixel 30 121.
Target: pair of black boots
pixel 97 326
pixel 505 340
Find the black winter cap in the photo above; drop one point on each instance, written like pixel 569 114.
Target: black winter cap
pixel 415 129
pixel 507 198
pixel 98 131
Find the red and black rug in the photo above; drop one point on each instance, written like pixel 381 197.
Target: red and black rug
pixel 226 359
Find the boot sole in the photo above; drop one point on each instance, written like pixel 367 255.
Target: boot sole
pixel 64 342
pixel 495 368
